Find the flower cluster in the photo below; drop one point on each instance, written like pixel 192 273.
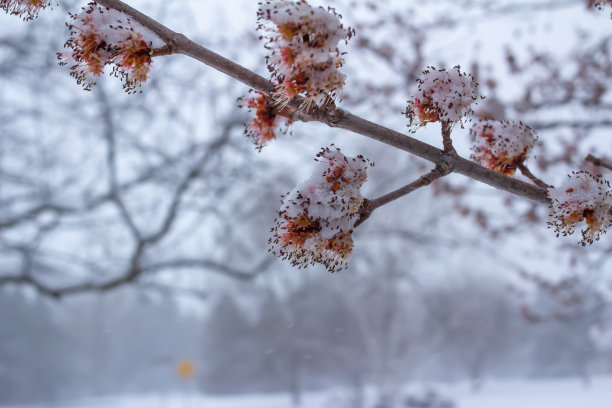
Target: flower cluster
pixel 27 9
pixel 304 58
pixel 501 145
pixel 444 96
pixel 582 197
pixel 262 128
pixel 102 36
pixel 316 221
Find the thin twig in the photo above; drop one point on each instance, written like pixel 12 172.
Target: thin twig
pixel 134 274
pixel 185 184
pixel 111 160
pixel 527 173
pixel 599 162
pixel 92 203
pixel 162 51
pixel 33 213
pixel 368 206
pixel 575 124
pixel 336 117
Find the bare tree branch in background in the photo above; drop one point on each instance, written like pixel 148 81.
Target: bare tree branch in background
pixel 599 162
pixel 190 179
pixel 144 241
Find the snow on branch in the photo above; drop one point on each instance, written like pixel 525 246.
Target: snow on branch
pixel 304 57
pixel 316 221
pixel 101 36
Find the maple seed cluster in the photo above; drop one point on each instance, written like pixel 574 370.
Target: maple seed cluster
pixel 304 57
pixel 501 145
pixel 102 36
pixel 262 128
pixel 582 197
pixel 442 96
pixel 26 9
pixel 316 221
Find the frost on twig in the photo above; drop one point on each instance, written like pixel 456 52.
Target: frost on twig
pixel 264 126
pixel 316 221
pixel 303 51
pixel 101 36
pixel 501 146
pixel 582 197
pixel 442 96
pixel 26 9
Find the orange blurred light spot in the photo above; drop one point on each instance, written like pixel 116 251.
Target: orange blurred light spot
pixel 185 369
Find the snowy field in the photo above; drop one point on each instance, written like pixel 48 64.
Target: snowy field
pixel 507 394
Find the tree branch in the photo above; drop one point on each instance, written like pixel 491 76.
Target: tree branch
pixel 182 188
pixel 93 202
pixel 368 206
pixel 428 152
pixel 447 142
pixel 527 173
pixel 576 124
pixel 135 269
pixel 335 117
pixel 111 160
pixel 219 267
pixel 162 31
pixel 33 213
pixel 599 162
pixel 132 275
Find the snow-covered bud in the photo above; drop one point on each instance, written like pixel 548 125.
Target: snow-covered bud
pixel 263 127
pixel 102 36
pixel 501 145
pixel 26 9
pixel 442 95
pixel 304 56
pixel 582 197
pixel 315 223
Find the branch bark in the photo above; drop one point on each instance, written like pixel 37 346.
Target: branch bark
pixel 447 142
pixel 527 173
pixel 368 206
pixel 599 162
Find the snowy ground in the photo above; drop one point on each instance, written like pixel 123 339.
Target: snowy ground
pixel 507 394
